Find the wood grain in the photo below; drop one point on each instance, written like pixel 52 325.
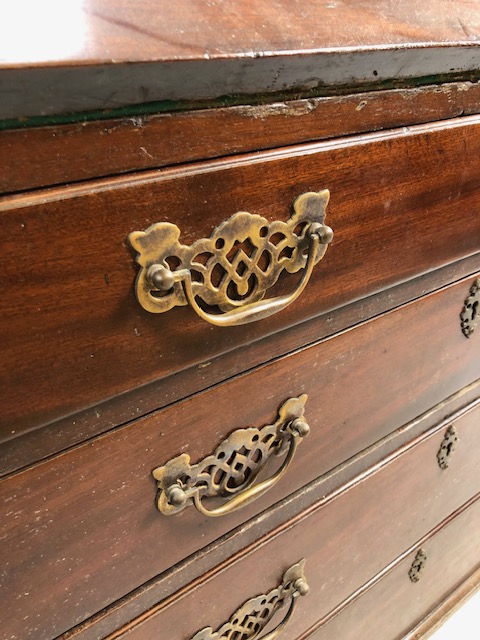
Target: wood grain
pixel 389 608
pixel 346 541
pixel 105 31
pixel 74 152
pixel 68 288
pixel 97 501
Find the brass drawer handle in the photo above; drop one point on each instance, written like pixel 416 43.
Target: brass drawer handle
pixel 232 469
pixel 249 621
pixel 231 271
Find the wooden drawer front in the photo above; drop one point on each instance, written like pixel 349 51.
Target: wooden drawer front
pixel 97 501
pixel 91 548
pixel 392 606
pixel 117 143
pixel 346 540
pixel 73 333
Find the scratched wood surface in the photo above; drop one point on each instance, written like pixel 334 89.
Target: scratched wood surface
pixel 97 500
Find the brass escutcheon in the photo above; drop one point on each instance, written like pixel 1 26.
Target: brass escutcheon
pixel 249 621
pixel 470 314
pixel 418 566
pixel 233 468
pixel 447 447
pixel 224 278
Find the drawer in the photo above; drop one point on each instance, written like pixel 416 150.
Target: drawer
pixel 346 540
pixel 73 332
pixel 117 143
pixel 390 607
pixel 85 526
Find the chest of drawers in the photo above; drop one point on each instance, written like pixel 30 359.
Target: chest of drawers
pixel 220 419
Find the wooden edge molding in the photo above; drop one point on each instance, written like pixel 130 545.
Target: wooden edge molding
pixel 61 89
pixel 436 618
pixel 100 148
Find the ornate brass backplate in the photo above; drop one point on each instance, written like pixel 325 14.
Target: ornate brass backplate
pixel 418 565
pixel 447 447
pixel 234 466
pixel 225 277
pixel 250 620
pixel 470 315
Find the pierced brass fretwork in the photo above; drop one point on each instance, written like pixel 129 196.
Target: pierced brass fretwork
pixel 470 315
pixel 249 621
pixel 233 468
pixel 225 277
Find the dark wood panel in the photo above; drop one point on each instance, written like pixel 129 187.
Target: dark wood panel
pixel 97 501
pixel 37 444
pixel 389 608
pixel 346 541
pixel 71 302
pixel 75 152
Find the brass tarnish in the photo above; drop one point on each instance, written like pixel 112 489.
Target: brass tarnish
pixel 447 447
pixel 225 277
pixel 249 621
pixel 418 565
pixel 234 466
pixel 470 315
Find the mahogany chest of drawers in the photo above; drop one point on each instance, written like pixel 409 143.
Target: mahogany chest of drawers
pixel 240 322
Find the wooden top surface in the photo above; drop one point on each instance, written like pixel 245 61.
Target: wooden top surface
pixel 85 32
pixel 67 56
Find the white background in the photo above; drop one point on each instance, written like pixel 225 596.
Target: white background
pixel 464 624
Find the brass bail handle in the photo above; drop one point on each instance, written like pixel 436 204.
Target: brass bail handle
pixel 299 430
pixel 164 279
pixel 247 250
pixel 301 589
pixel 231 471
pixel 253 616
